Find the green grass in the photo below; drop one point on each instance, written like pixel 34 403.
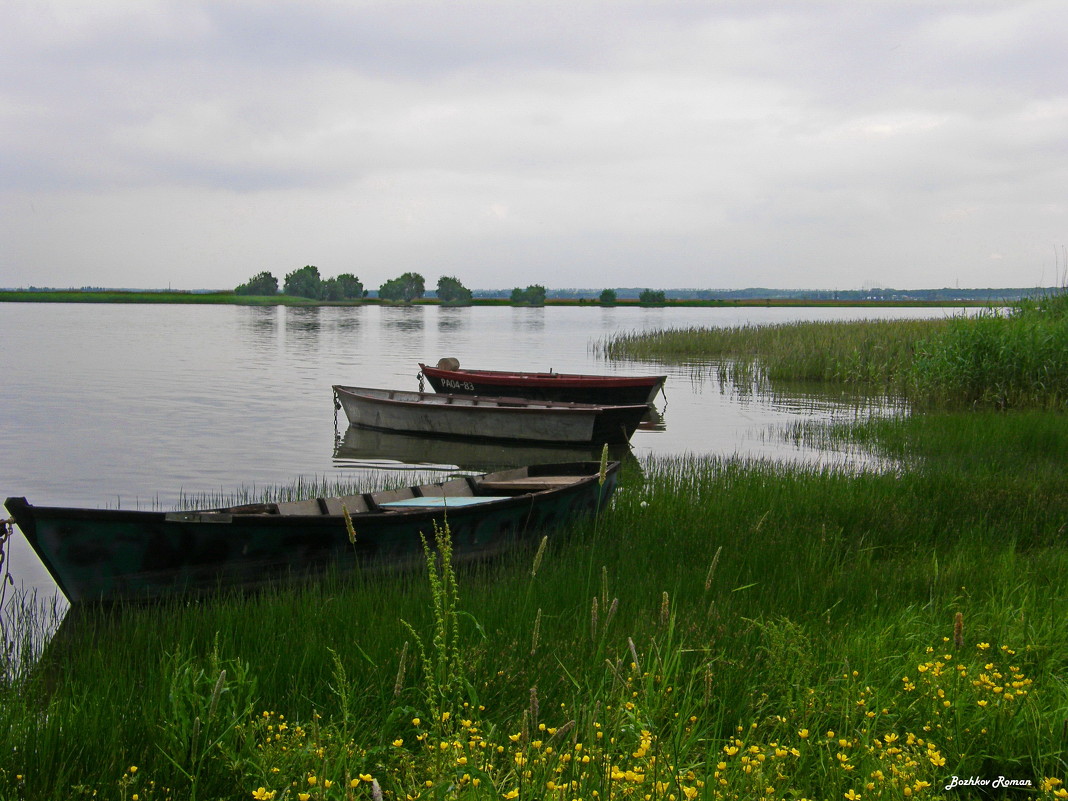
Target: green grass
pixel 857 352
pixel 996 359
pixel 705 636
pixel 1014 360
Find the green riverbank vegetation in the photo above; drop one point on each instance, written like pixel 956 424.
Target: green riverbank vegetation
pixel 1015 358
pixel 727 629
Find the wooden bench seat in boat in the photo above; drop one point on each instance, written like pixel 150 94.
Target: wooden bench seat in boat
pixel 324 506
pixel 528 483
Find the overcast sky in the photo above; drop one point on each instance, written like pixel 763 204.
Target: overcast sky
pixel 193 144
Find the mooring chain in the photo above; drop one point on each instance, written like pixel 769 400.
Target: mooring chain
pixel 7 528
pixel 419 375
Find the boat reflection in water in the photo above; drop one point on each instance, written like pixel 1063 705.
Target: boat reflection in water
pixel 387 450
pixel 653 420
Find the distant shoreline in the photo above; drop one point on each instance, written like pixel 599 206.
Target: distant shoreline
pixel 229 298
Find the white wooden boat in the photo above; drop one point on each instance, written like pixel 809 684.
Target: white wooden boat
pixel 477 417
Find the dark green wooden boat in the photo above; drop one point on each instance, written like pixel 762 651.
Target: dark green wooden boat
pixel 111 555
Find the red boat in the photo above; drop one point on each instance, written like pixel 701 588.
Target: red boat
pixel 614 390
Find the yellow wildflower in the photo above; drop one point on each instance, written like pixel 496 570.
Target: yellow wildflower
pixel 263 794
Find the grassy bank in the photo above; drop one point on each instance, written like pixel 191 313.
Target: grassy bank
pixel 997 359
pixel 726 630
pixel 867 351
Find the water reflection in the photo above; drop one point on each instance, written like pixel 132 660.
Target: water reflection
pixel 259 327
pixel 347 318
pixel 529 320
pixel 451 320
pixel 403 318
pixel 303 325
pixel 653 420
pixel 366 448
pixel 261 320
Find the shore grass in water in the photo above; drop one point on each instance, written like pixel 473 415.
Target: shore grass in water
pixel 726 630
pixel 858 351
pixel 996 359
pixel 305 487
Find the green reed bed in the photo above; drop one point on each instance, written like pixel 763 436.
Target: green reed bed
pixel 857 351
pixel 1017 359
pixel 996 359
pixel 726 630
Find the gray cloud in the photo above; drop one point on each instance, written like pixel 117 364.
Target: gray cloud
pixel 583 144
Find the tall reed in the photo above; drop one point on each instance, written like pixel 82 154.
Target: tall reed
pixel 996 359
pixel 862 351
pixel 999 359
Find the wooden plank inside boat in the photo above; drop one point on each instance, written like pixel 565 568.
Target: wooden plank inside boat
pixel 529 483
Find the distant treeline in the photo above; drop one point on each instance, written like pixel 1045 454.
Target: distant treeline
pixel 410 286
pixel 762 293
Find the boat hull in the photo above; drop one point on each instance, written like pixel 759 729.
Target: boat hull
pixel 566 387
pixel 476 417
pixel 98 555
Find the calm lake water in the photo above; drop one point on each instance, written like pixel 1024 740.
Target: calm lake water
pixel 136 406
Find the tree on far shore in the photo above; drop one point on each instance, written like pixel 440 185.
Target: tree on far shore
pixel 608 297
pixel 651 297
pixel 305 283
pixel 533 295
pixel 406 288
pixel 262 284
pixel 452 292
pixel 345 287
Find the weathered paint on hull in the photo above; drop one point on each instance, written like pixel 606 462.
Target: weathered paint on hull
pixel 105 555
